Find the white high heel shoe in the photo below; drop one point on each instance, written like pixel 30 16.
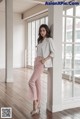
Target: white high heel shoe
pixel 37 111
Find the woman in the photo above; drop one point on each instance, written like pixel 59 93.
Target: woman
pixel 45 54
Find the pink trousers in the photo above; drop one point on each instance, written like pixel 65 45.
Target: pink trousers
pixel 35 81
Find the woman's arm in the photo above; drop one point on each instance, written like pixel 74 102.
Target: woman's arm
pixel 48 57
pixel 45 59
pixel 51 49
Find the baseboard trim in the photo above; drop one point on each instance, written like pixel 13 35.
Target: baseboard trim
pixel 54 108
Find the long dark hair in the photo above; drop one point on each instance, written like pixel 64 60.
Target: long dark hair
pixel 40 39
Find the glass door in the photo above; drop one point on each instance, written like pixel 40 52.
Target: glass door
pixel 71 53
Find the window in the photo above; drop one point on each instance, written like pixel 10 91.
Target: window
pixel 69 12
pixel 29 45
pixel 71 49
pixel 69 22
pixel 77 29
pixel 77 36
pixel 78 11
pixel 71 40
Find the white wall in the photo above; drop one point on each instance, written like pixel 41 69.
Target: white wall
pixel 2 40
pixel 18 41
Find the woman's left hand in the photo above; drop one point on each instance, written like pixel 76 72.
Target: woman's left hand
pixel 43 61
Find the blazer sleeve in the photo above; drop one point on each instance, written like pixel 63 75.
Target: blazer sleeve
pixel 51 47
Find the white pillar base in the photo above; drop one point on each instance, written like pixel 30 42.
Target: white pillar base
pixel 55 108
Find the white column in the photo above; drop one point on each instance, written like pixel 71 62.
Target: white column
pixel 54 89
pixel 9 40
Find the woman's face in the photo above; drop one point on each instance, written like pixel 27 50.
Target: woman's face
pixel 43 32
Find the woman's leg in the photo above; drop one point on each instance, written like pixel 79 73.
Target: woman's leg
pixel 35 85
pixel 32 85
pixel 38 88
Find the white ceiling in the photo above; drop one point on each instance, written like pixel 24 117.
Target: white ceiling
pixel 20 6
